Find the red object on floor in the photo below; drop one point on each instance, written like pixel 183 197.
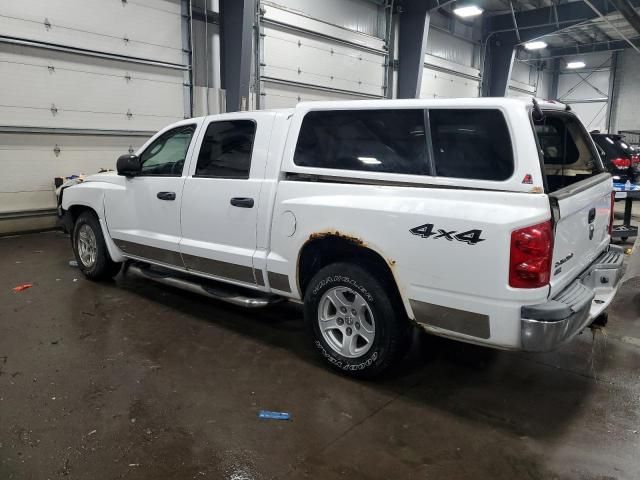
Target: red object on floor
pixel 22 287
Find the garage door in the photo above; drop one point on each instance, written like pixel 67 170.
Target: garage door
pixel 44 88
pixel 302 58
pixel 449 70
pixel 522 82
pixel 444 79
pixel 83 82
pixel 30 161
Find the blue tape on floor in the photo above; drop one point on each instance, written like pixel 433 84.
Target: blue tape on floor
pixel 274 415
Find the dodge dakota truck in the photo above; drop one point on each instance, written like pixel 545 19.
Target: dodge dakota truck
pixel 482 220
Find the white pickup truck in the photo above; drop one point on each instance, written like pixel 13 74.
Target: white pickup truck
pixel 482 220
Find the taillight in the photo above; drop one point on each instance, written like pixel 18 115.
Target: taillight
pixel 613 203
pixel 530 259
pixel 621 163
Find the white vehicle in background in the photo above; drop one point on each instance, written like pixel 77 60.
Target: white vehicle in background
pixel 482 220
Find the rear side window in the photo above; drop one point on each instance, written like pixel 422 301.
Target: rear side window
pixel 226 150
pixel 391 141
pixel 473 144
pixel 567 151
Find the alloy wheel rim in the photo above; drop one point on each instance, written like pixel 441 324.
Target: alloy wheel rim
pixel 87 246
pixel 346 322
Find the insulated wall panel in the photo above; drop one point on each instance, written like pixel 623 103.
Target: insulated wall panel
pixel 449 68
pixel 43 88
pixel 587 90
pixel 70 68
pixel 439 84
pixel 149 29
pixel 279 95
pixel 592 114
pixel 30 161
pixel 361 16
pixel 583 86
pixel 626 109
pixel 310 58
pixel 452 48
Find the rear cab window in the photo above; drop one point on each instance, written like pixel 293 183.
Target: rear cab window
pixel 446 142
pixel 568 154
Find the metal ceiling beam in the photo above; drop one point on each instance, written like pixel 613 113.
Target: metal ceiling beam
pixel 601 14
pixel 629 13
pixel 563 16
pixel 587 48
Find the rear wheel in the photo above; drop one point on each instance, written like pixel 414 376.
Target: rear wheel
pixel 90 249
pixel 357 323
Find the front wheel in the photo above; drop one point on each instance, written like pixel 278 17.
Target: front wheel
pixel 90 249
pixel 358 325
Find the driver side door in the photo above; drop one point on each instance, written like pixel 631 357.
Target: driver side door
pixel 143 217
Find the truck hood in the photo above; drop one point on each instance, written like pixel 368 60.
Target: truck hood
pixel 108 177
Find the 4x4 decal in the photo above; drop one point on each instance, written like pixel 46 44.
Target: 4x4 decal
pixel 470 237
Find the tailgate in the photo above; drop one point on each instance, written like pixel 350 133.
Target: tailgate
pixel 582 212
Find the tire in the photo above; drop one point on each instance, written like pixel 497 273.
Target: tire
pixel 90 249
pixel 376 332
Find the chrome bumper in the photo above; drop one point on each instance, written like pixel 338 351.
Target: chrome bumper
pixel 548 325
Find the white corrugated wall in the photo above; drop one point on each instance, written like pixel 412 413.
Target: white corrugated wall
pixel 626 93
pixel 586 90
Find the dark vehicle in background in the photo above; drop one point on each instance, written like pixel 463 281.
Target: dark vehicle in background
pixel 620 158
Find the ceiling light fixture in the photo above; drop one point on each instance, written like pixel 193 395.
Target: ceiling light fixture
pixel 468 11
pixel 574 65
pixel 537 45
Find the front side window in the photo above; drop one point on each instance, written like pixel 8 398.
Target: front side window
pixel 391 141
pixel 566 150
pixel 166 155
pixel 226 149
pixel 470 143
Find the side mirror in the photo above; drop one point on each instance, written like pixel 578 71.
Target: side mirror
pixel 129 165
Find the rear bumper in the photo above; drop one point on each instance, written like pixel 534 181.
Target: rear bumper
pixel 548 325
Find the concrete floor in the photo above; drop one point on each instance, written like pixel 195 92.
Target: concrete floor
pixel 133 380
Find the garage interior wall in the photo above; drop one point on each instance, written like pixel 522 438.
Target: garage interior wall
pixel 451 63
pixel 587 90
pixel 84 81
pixel 524 79
pixel 625 108
pixel 310 50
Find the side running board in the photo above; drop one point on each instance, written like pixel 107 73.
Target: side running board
pixel 219 291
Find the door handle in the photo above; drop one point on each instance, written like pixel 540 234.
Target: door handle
pixel 592 215
pixel 242 202
pixel 166 195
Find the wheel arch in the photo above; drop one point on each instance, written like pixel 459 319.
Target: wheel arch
pixel 323 249
pixel 77 209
